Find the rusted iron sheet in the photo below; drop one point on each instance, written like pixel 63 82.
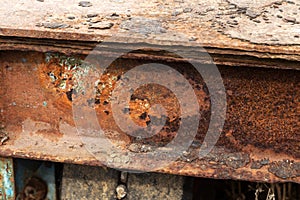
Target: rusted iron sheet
pixel 259 141
pixel 267 29
pixel 220 56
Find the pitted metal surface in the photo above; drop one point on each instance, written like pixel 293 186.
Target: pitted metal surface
pixel 260 140
pixel 263 22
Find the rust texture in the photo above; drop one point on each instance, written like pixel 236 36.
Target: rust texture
pixel 259 142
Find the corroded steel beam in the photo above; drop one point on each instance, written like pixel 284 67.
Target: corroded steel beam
pixel 260 138
pixel 259 142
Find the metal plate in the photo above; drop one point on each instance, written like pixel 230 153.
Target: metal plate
pixel 260 140
pixel 224 27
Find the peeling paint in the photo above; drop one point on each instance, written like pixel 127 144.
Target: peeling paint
pixel 7 184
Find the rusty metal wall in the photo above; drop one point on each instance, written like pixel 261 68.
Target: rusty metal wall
pixel 260 140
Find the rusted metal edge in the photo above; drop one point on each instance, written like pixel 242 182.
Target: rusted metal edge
pixel 234 44
pixel 270 171
pixel 221 56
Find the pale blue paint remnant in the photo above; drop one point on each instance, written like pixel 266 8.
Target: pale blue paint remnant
pixel 7 186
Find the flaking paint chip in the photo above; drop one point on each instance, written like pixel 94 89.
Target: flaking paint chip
pixel 101 25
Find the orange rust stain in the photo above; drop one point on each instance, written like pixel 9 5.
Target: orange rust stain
pixel 53 74
pixel 25 97
pixel 50 76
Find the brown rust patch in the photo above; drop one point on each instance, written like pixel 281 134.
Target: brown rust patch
pixel 263 109
pixel 59 76
pixel 26 98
